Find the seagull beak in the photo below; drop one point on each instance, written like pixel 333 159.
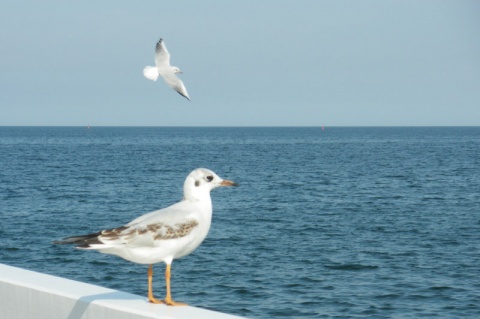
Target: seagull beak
pixel 226 182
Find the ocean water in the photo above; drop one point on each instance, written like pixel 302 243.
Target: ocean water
pixel 334 223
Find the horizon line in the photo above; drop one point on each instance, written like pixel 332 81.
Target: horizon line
pixel 241 126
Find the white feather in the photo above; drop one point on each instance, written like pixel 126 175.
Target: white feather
pixel 151 73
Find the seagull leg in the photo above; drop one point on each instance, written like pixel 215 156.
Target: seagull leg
pixel 168 299
pixel 150 290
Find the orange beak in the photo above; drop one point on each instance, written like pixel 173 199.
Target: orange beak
pixel 226 182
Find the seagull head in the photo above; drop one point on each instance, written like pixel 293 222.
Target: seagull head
pixel 176 70
pixel 201 181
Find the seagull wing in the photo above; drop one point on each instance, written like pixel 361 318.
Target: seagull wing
pixel 172 222
pixel 175 83
pixel 162 57
pixel 143 235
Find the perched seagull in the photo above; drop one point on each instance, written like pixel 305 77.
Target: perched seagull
pixel 162 67
pixel 162 235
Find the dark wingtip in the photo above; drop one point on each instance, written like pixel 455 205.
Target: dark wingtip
pixel 159 42
pixel 184 95
pixel 77 240
pixel 62 242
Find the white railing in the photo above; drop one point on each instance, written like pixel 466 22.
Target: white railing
pixel 27 294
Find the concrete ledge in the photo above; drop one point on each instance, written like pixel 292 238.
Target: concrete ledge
pixel 27 294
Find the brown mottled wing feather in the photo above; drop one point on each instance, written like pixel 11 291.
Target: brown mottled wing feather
pixel 163 231
pixel 126 234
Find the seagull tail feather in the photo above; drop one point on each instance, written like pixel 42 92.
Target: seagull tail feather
pixel 151 73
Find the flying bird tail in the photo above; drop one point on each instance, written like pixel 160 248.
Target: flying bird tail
pixel 151 73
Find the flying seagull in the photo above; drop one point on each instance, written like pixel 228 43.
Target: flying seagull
pixel 162 235
pixel 165 70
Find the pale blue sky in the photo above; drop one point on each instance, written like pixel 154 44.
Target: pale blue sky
pixel 245 63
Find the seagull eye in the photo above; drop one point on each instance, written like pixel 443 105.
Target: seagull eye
pixel 209 178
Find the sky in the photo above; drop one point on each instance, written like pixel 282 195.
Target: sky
pixel 244 63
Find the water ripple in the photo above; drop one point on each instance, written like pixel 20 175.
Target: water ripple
pixel 341 223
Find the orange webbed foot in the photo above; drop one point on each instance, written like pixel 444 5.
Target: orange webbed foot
pixel 155 300
pixel 170 302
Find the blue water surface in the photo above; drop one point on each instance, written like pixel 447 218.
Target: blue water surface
pixel 334 223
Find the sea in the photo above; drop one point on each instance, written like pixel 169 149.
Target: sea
pixel 332 222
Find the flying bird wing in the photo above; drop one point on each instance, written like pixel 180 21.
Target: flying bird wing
pixel 162 57
pixel 175 83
